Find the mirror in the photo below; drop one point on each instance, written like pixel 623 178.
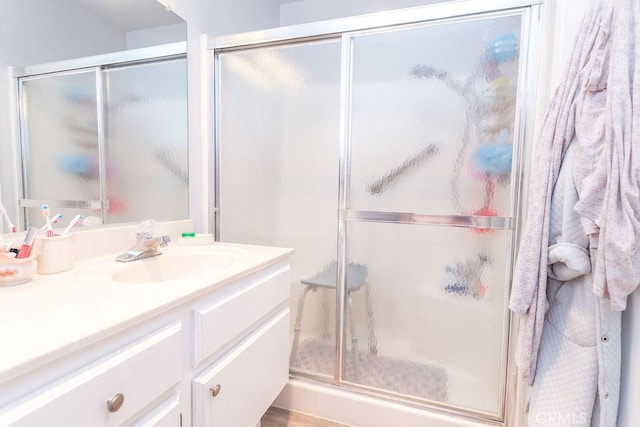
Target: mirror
pixel 49 31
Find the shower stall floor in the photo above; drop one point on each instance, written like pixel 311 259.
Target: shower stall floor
pixel 381 372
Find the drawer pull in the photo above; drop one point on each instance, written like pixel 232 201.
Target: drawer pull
pixel 215 390
pixel 115 402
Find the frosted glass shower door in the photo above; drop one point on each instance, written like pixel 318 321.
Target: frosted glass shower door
pixel 433 143
pixel 146 141
pixel 278 145
pixel 105 141
pixel 60 151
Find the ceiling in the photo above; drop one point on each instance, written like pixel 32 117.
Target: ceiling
pixel 131 15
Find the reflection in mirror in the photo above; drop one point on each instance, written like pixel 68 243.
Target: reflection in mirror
pixel 107 141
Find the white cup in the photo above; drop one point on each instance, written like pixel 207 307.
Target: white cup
pixel 56 254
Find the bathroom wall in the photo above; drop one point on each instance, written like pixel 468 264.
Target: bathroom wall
pixel 30 35
pixel 629 412
pixel 299 12
pixel 156 36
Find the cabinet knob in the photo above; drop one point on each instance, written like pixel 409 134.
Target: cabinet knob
pixel 215 390
pixel 115 402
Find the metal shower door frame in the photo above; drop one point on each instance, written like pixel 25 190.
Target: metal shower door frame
pixel 97 64
pixel 347 29
pixel 510 223
pixel 26 201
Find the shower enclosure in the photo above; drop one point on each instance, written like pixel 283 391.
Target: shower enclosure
pixel 388 151
pixel 103 136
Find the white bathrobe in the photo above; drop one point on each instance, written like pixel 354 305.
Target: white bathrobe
pixel 529 290
pixel 608 157
pixel 568 377
pixel 597 107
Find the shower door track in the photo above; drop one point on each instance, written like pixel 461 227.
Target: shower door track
pixel 345 29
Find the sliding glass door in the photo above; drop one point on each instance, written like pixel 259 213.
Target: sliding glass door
pixel 278 172
pixel 432 142
pixel 390 159
pixel 105 141
pixel 60 144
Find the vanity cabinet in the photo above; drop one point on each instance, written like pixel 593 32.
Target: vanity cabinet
pixel 109 391
pixel 166 414
pixel 218 357
pixel 238 389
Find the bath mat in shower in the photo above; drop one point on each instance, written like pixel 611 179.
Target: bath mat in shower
pixel 387 373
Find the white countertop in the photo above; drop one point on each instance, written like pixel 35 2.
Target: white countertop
pixel 52 315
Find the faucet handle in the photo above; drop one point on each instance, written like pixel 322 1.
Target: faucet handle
pixel 164 240
pixel 143 237
pixel 148 229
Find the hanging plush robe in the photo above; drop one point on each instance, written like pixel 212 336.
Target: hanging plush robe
pixel 608 156
pixel 598 104
pixel 529 291
pixel 566 383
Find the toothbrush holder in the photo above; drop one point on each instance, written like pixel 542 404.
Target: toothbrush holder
pixel 57 254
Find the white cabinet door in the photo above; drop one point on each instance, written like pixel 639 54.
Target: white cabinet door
pixel 238 389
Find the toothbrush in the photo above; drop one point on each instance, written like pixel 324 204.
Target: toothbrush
pixel 5 215
pixel 56 219
pixel 75 221
pixel 46 213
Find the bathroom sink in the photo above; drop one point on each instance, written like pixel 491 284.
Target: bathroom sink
pixel 172 266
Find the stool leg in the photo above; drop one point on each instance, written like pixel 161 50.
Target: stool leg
pixel 373 342
pixel 354 339
pixel 297 327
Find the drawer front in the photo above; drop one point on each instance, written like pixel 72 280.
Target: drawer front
pixel 229 316
pixel 140 373
pixel 247 380
pixel 166 414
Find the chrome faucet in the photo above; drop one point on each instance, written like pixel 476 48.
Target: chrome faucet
pixel 147 246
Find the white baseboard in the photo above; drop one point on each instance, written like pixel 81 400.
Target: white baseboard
pixel 359 410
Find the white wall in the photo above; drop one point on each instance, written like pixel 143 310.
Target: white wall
pixel 629 412
pixel 156 36
pixel 34 32
pixel 317 10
